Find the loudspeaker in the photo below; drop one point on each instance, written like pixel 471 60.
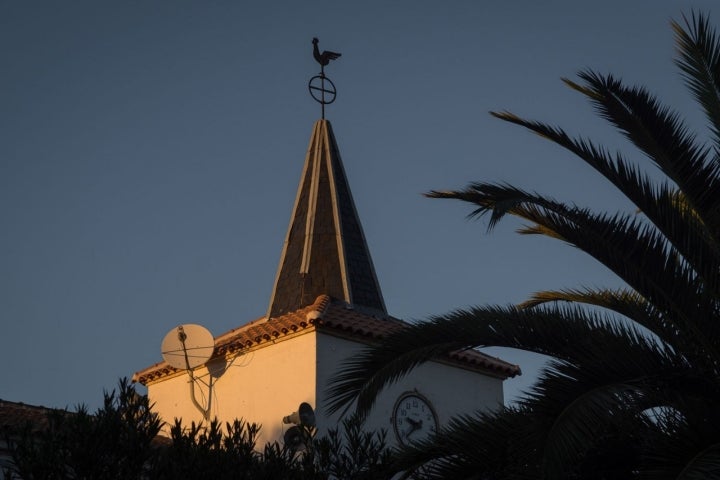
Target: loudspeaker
pixel 293 438
pixel 304 416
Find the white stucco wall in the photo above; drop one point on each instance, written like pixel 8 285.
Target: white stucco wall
pixel 452 390
pixel 261 387
pixel 269 383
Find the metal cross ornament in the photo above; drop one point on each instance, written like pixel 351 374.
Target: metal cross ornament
pixel 322 89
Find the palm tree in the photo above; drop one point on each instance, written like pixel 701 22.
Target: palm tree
pixel 632 387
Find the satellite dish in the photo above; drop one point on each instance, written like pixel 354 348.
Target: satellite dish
pixel 304 416
pixel 187 346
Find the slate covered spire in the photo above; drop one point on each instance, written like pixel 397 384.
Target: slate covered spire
pixel 325 252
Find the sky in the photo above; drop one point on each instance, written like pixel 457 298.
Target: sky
pixel 150 153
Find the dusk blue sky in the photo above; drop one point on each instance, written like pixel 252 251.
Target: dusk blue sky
pixel 150 153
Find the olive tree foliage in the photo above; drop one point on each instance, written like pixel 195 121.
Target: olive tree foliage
pixel 115 442
pixel 121 441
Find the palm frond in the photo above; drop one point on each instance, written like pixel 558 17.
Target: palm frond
pixel 355 383
pixel 661 135
pixel 485 445
pixel 632 375
pixel 699 61
pixel 640 257
pixel 697 242
pixel 624 302
pixel 550 331
pixel 682 443
pixel 630 248
pixel 580 402
pixel 704 465
pixel 497 199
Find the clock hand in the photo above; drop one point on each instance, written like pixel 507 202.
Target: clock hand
pixel 415 425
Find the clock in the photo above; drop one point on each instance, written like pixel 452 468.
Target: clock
pixel 413 418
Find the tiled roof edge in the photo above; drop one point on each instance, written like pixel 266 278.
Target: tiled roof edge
pixel 345 322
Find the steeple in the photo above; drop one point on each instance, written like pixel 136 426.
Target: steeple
pixel 325 250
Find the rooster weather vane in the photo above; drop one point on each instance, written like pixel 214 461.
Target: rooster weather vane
pixel 322 89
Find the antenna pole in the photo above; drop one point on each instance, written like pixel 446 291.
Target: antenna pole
pixel 182 336
pixel 322 82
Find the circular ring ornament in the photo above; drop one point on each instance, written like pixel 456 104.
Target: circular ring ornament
pixel 322 89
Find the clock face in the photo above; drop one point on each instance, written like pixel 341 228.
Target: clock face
pixel 413 418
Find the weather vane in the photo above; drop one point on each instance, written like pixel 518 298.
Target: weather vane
pixel 321 87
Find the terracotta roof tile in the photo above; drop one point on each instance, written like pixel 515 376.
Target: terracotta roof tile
pixel 15 415
pixel 332 317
